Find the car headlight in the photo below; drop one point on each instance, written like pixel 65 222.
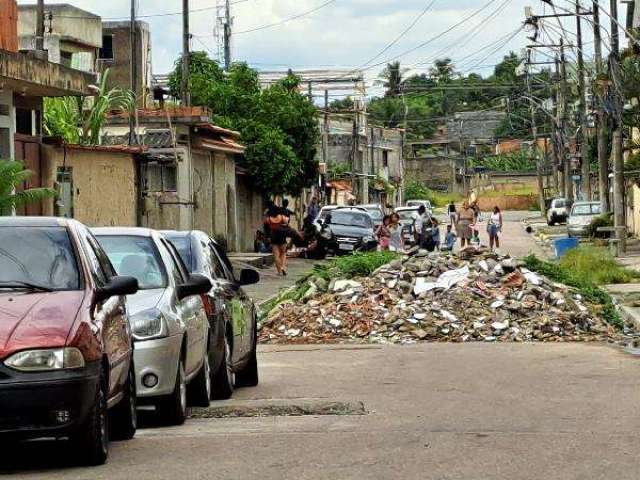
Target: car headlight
pixel 46 359
pixel 148 324
pixel 368 239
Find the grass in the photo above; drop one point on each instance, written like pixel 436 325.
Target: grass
pixel 356 265
pixel 597 266
pixel 508 193
pixel 585 283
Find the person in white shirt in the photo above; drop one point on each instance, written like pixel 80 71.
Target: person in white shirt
pixel 494 227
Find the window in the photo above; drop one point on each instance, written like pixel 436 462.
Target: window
pixel 183 245
pixel 136 257
pixel 41 255
pixel 216 263
pixel 106 52
pixel 175 256
pixel 385 159
pixel 161 177
pixel 98 272
pixel 24 121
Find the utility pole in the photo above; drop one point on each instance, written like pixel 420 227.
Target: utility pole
pixel 40 26
pixel 227 36
pixel 582 106
pixel 603 159
pixel 618 158
pixel 132 73
pixel 566 161
pixel 534 147
pixel 186 55
pixel 559 145
pixel 325 130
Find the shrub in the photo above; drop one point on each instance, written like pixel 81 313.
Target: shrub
pixel 356 265
pixel 604 220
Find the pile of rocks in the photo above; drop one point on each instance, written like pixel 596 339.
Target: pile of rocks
pixel 435 297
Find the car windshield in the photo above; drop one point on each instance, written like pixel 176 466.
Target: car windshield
pixel 136 257
pixel 375 213
pixel 354 219
pixel 183 245
pixel 324 212
pixel 559 204
pixel 586 209
pixel 406 215
pixel 41 256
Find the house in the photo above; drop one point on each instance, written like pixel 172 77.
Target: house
pixel 24 81
pixel 473 129
pixel 97 185
pixel 378 162
pixel 116 55
pixel 73 37
pixel 191 175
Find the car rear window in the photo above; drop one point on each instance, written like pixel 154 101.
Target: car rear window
pixel 42 256
pixel 137 257
pixel 586 209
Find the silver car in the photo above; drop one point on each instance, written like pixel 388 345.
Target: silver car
pixel 558 211
pixel 168 320
pixel 581 216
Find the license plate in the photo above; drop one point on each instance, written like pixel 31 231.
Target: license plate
pixel 346 246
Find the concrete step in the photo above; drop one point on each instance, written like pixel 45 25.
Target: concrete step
pixel 255 260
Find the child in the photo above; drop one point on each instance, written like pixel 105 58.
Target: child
pixel 475 239
pixel 450 239
pixel 435 233
pixel 383 233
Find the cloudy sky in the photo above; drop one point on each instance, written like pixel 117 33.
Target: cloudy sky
pixel 342 33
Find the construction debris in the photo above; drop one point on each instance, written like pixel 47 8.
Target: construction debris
pixel 470 297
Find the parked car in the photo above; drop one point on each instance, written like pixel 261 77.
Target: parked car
pixel 558 211
pixel 349 229
pixel 407 217
pixel 419 203
pixel 233 317
pixel 324 211
pixel 376 211
pixel 66 366
pixel 169 321
pixel 581 216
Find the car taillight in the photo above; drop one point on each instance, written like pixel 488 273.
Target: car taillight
pixel 208 307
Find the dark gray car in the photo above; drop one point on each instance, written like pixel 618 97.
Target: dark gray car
pixel 232 315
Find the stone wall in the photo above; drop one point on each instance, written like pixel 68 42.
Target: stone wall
pixel 436 172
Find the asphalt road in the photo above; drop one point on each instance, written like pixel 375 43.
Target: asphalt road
pixel 435 411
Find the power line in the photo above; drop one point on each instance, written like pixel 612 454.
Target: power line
pixel 294 17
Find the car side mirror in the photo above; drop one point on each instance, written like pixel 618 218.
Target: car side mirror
pixel 195 285
pixel 120 285
pixel 249 276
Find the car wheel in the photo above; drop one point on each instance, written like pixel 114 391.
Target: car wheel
pixel 224 378
pixel 200 387
pixel 124 417
pixel 248 377
pixel 92 437
pixel 173 408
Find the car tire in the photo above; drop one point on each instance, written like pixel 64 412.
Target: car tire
pixel 92 436
pixel 124 417
pixel 173 408
pixel 248 377
pixel 224 378
pixel 200 387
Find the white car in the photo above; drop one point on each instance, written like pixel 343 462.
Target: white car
pixel 168 319
pixel 419 203
pixel 581 216
pixel 558 211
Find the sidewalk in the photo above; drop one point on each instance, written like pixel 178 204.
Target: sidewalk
pixel 271 283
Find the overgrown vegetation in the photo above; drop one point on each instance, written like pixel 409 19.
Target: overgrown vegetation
pixel 278 124
pixel 521 161
pixel 356 265
pixel 79 120
pixel 604 220
pixel 581 269
pixel 13 175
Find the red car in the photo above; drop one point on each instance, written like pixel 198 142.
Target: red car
pixel 66 366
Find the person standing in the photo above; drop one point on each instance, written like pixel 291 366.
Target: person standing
pixel 383 233
pixel 435 233
pixel 451 211
pixel 418 226
pixel 450 239
pixel 313 210
pixel 396 242
pixel 494 228
pixel 277 224
pixel 466 218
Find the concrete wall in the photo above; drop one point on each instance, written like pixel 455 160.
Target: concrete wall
pixel 508 202
pixel 504 181
pixel 436 172
pixel 7 125
pixel 71 23
pixel 633 209
pixel 104 185
pixel 250 206
pixel 120 66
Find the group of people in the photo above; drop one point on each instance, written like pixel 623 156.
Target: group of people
pixel 467 220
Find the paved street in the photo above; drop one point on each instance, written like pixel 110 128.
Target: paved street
pixel 434 411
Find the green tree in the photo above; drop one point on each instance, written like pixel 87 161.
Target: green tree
pixel 278 124
pixel 391 79
pixel 12 176
pixel 79 120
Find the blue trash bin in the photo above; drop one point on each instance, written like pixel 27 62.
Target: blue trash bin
pixel 562 245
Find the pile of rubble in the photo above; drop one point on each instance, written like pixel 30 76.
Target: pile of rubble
pixel 444 298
